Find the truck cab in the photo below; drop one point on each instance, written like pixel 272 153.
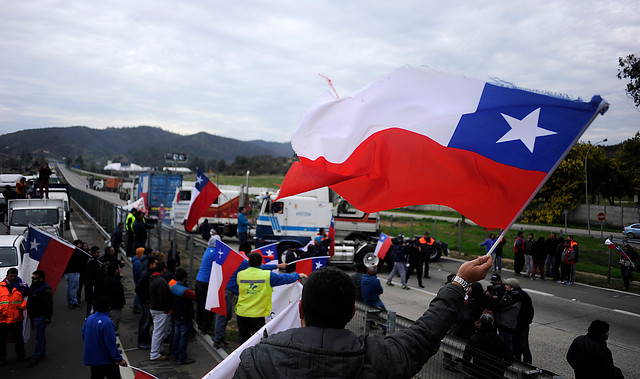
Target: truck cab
pixel 46 213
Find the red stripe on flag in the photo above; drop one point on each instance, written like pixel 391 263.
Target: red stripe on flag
pixel 54 261
pixel 200 204
pixel 230 265
pixel 393 160
pixel 304 266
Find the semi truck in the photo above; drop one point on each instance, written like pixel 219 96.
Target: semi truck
pixel 158 189
pixel 46 213
pixel 295 220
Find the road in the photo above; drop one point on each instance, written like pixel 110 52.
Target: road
pixel 562 313
pixel 80 182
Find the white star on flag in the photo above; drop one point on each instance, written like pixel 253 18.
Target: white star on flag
pixel 34 245
pixel 198 179
pixel 318 265
pixel 269 252
pixel 525 130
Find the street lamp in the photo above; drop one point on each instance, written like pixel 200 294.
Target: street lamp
pixel 586 187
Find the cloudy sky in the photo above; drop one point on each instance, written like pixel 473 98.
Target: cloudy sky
pixel 249 69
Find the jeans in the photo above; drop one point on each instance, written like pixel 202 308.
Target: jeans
pixel 242 237
pixel 528 263
pixel 549 265
pixel 39 330
pixel 221 321
pixel 115 315
pixel 144 326
pixel 181 329
pixel 398 268
pixel 627 275
pixel 497 262
pixel 160 332
pixel 73 282
pixel 204 317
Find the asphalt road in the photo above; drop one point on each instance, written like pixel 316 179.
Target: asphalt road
pixel 562 313
pixel 80 182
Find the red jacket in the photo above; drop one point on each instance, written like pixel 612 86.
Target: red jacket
pixel 11 304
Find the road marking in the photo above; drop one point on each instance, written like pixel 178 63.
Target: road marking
pixel 626 312
pixel 73 231
pixel 529 290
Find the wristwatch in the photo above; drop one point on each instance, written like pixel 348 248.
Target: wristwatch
pixel 465 286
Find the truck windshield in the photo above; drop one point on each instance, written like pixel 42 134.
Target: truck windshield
pixel 22 217
pixel 8 257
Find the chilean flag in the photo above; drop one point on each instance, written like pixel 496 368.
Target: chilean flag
pixel 384 243
pixel 307 265
pixel 269 253
pixel 613 246
pixel 48 253
pixel 204 194
pixel 415 136
pixel 225 263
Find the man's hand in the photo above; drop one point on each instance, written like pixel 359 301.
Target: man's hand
pixel 303 275
pixel 123 363
pixel 476 269
pixel 282 266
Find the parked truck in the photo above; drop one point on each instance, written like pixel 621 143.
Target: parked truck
pixel 46 213
pixel 111 184
pixel 294 220
pixel 222 214
pixel 158 189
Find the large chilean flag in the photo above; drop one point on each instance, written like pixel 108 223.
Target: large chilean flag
pixel 415 136
pixel 45 252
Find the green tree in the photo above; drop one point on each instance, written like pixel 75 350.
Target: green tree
pixel 630 69
pixel 628 159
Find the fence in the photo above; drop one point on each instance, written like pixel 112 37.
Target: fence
pixel 446 363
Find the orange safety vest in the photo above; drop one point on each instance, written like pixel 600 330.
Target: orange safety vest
pixel 424 241
pixel 11 304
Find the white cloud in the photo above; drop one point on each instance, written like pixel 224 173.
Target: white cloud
pixel 249 70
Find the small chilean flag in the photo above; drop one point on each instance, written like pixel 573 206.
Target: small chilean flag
pixel 384 243
pixel 613 246
pixel 48 253
pixel 307 265
pixel 269 253
pixel 202 197
pixel 225 262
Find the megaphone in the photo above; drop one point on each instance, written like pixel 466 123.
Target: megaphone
pixel 370 260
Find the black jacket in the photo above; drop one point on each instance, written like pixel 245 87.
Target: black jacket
pixel 114 290
pixel 338 353
pixel 487 355
pixel 159 294
pixel 40 301
pixel 591 358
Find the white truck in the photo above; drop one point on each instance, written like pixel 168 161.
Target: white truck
pixel 46 213
pixel 296 219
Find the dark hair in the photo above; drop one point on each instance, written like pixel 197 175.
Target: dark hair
pixel 245 247
pixel 171 264
pixel 328 298
pixel 112 268
pixel 519 233
pixel 151 260
pixel 102 304
pixel 255 259
pixel 94 249
pixel 148 251
pixel 598 329
pixel 39 274
pixel 12 270
pixel 77 242
pixel 160 266
pixel 181 274
pixel 240 209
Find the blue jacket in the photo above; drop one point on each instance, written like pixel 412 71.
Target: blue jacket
pixel 243 223
pixel 99 338
pixel 371 289
pixel 398 253
pixel 204 273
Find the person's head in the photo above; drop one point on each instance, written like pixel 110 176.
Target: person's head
pixel 492 236
pixel 512 284
pixel 23 179
pixel 328 298
pixel 7 187
pixel 140 252
pixel 148 251
pixel 360 267
pixel 567 242
pixel 161 267
pixel 321 231
pixel 485 323
pixel 520 233
pixel 181 275
pixel 113 269
pixel 78 244
pixel 153 263
pixel 496 279
pixel 37 278
pixel 205 222
pixel 570 237
pixel 102 304
pixel 317 240
pixel 553 235
pixel 530 236
pixel 12 275
pixel 85 246
pixel 212 241
pixel 109 250
pixel 171 265
pixel 426 234
pixel 372 270
pixel 95 251
pixel 599 330
pixel 121 225
pixel 241 210
pixel 476 289
pixel 255 259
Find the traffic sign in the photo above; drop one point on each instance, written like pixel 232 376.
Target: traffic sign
pixel 175 157
pixel 601 216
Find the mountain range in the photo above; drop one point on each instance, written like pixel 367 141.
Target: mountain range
pixel 143 145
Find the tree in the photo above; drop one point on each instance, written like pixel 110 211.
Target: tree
pixel 628 159
pixel 630 69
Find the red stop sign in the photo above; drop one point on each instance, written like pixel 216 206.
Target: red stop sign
pixel 601 216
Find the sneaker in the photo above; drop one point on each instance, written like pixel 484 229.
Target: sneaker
pixel 143 346
pixel 420 285
pixel 405 288
pixel 390 284
pixel 187 361
pixel 160 358
pixel 559 281
pixel 569 283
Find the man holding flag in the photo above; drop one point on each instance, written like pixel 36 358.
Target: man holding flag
pixel 254 300
pixel 627 258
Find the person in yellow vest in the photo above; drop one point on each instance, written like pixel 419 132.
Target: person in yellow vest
pixel 255 286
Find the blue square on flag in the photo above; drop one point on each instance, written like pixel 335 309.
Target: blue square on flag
pixel 37 244
pixel 222 251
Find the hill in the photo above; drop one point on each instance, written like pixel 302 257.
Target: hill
pixel 143 145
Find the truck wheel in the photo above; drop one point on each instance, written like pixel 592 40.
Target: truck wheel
pixel 367 253
pixel 437 253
